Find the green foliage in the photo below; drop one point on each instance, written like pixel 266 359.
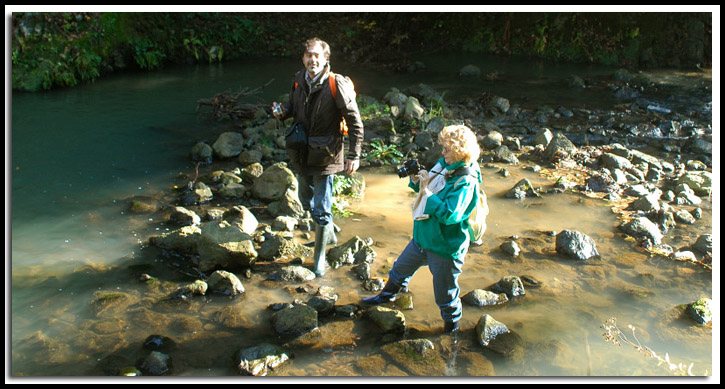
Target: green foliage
pixel 342 186
pixel 62 49
pixel 384 154
pixel 148 55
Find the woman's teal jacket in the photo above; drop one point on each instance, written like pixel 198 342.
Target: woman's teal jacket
pixel 445 232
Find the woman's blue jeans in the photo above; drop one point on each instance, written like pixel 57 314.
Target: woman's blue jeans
pixel 445 277
pixel 315 194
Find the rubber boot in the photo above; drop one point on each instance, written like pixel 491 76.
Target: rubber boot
pixel 450 327
pixel 332 240
pixel 322 237
pixel 388 294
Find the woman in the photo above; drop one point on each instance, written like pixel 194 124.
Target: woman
pixel 447 195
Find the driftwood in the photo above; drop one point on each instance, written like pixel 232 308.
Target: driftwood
pixel 226 104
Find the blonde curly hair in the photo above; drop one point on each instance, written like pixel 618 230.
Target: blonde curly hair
pixel 461 142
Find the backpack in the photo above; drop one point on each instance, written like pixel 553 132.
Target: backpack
pixel 333 90
pixel 477 218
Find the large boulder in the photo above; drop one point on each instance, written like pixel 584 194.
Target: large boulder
pixel 273 184
pixel 228 145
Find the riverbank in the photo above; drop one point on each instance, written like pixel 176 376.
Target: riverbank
pixel 63 49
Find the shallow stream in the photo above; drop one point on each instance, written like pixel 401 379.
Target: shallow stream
pixel 78 154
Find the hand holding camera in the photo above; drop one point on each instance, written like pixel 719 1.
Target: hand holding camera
pixel 277 110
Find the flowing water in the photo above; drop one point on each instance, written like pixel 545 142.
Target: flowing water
pixel 79 154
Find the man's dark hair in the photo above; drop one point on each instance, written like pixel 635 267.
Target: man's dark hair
pixel 323 44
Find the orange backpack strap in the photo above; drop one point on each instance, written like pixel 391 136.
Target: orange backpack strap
pixel 333 85
pixel 333 90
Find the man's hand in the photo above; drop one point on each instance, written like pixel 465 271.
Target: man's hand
pixel 277 110
pixel 351 165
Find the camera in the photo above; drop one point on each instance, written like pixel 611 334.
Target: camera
pixel 409 168
pixel 278 109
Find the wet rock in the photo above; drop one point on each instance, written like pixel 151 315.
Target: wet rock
pixel 232 317
pixel 365 255
pixel 345 253
pixel 470 71
pixel 509 285
pixel 483 298
pixel 488 328
pixel 202 152
pixel 251 157
pixel 233 256
pixel 576 245
pixel 295 320
pixel 601 182
pixel 559 145
pixel 243 218
pixel 129 371
pixel 292 274
pixel 498 105
pixel 199 193
pixel 347 311
pixel 701 311
pixel 642 228
pixel 184 217
pixel 276 247
pixel 107 304
pixel 404 301
pixel 647 203
pixel 530 281
pixel 704 244
pixel 183 241
pixel 511 248
pixel 324 305
pixel 413 109
pixel 196 288
pixel 226 283
pixel 389 320
pixel 543 137
pixel 274 183
pixel 521 190
pixel 261 360
pixel 699 181
pixel 362 271
pixel 159 343
pixel 228 144
pixel 492 140
pixel 684 217
pixel 284 223
pixel 142 204
pixel 503 154
pixel 613 161
pixel 418 356
pixel 156 363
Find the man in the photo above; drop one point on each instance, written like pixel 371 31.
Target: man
pixel 312 103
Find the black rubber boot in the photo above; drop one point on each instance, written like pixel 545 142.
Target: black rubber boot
pixel 450 327
pixel 322 238
pixel 388 294
pixel 332 238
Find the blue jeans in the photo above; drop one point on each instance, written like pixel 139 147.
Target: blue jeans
pixel 315 194
pixel 445 277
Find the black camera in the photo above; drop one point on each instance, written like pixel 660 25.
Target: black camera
pixel 409 168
